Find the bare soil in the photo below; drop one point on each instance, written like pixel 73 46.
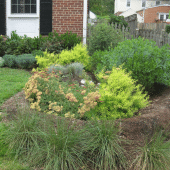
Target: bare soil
pixel 136 129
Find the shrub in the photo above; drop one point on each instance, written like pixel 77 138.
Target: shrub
pixel 102 59
pixel 154 155
pixel 119 95
pixel 77 54
pixel 9 60
pixel 2 46
pixel 75 69
pixel 148 62
pixel 118 19
pixel 51 94
pixel 27 45
pixel 103 36
pixel 25 61
pixel 46 60
pixel 56 68
pixel 104 146
pixel 52 46
pixel 1 62
pixel 12 44
pixel 69 40
pixel 37 52
pixel 167 29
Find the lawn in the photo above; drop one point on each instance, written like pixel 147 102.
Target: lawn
pixel 11 82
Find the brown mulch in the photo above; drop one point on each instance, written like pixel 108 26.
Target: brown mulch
pixel 157 115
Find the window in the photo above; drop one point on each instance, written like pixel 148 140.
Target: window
pixel 128 3
pixel 158 2
pixel 143 3
pixel 163 17
pixel 23 6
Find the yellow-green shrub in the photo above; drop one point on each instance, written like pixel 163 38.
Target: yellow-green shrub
pixel 77 54
pixel 46 60
pixel 119 95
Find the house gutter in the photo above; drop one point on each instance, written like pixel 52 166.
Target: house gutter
pixel 85 22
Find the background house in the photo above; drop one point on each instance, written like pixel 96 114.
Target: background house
pixel 147 11
pixel 34 17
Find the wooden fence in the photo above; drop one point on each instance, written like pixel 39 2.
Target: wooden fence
pixel 158 35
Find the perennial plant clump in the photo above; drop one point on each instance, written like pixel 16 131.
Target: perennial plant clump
pixel 47 93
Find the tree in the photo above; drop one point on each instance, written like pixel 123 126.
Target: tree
pixel 102 7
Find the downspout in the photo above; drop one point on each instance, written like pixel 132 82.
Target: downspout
pixel 85 22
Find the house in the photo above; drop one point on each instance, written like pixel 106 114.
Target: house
pixel 35 17
pixel 148 11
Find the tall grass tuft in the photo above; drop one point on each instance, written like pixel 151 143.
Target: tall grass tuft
pixel 104 146
pixel 154 155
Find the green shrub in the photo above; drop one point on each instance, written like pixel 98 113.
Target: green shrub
pixel 103 36
pixel 120 98
pixel 25 61
pixel 167 29
pixel 148 62
pixel 12 44
pixel 104 146
pixel 154 155
pixel 27 45
pixel 1 62
pixel 37 52
pixel 52 46
pixel 118 19
pixel 9 60
pixel 2 46
pixel 102 59
pixel 69 40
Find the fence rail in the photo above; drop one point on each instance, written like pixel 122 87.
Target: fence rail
pixel 158 35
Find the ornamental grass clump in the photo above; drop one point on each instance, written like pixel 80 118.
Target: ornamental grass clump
pixel 49 94
pixel 104 146
pixel 120 97
pixel 155 154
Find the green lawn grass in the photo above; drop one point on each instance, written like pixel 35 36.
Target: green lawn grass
pixel 11 82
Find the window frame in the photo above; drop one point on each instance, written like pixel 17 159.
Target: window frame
pixel 10 14
pixel 24 5
pixel 128 2
pixel 164 14
pixel 157 2
pixel 143 1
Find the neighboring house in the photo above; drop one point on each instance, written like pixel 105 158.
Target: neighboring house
pixel 144 9
pixel 34 17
